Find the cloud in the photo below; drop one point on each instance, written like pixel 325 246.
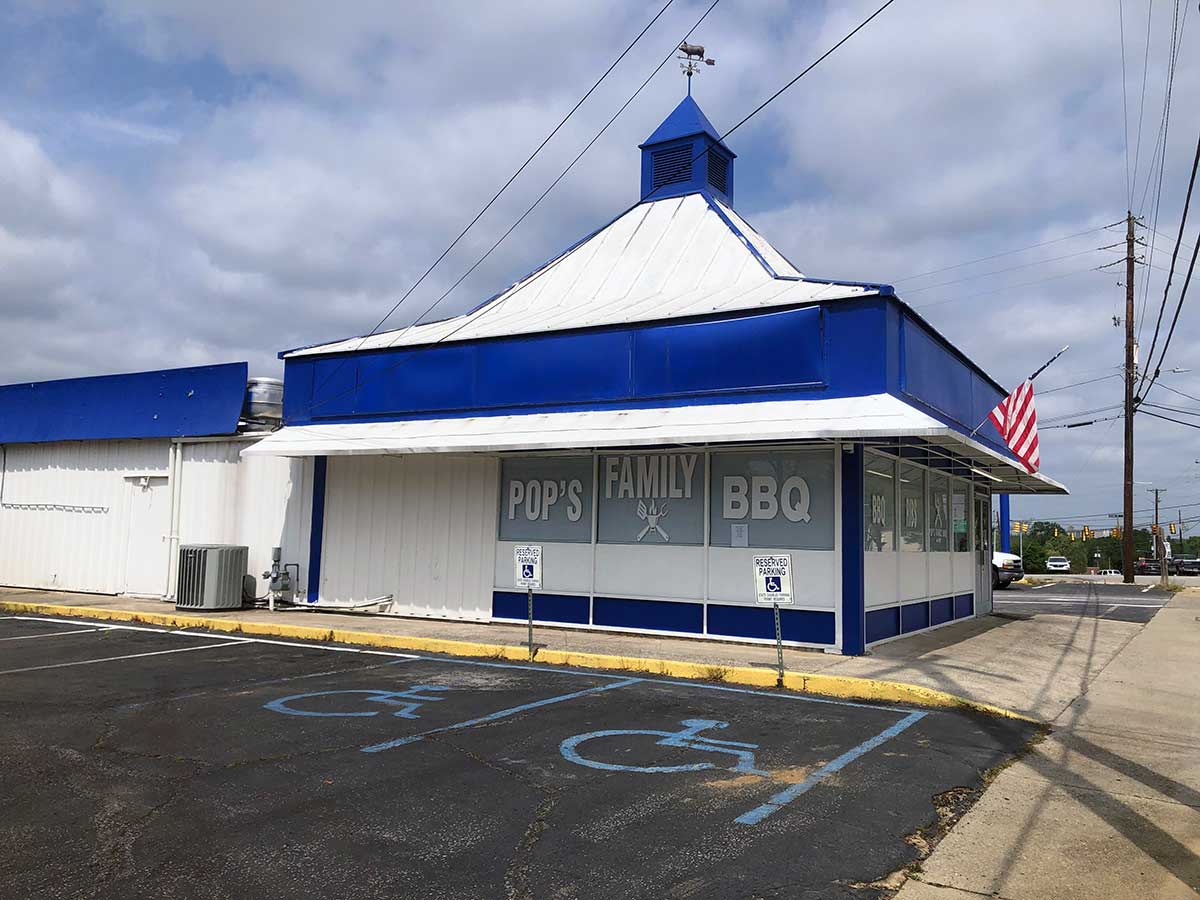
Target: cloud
pixel 204 181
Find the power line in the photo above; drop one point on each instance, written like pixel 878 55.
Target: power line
pixel 509 182
pixel 1063 387
pixel 747 118
pixel 820 59
pixel 1175 391
pixel 971 262
pixel 1124 101
pixel 520 219
pixel 1171 272
pixel 1142 103
pixel 1007 287
pixel 1169 419
pixel 1027 265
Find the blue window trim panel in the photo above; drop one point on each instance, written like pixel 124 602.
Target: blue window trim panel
pixel 914 616
pixel 199 401
pixel 964 606
pixel 802 626
pixel 648 615
pixel 562 608
pixel 833 350
pixel 882 624
pixel 941 610
pixel 316 533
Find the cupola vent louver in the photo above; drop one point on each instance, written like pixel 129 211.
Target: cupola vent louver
pixel 718 170
pixel 672 165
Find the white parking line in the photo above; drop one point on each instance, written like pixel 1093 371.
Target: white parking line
pixel 28 637
pixel 1148 587
pixel 89 662
pixel 236 639
pixel 1067 601
pixel 1038 587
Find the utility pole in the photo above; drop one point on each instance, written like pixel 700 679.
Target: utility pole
pixel 1130 374
pixel 1158 539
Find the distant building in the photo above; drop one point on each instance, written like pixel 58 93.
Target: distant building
pixel 660 402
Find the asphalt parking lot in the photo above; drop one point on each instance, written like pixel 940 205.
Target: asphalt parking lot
pixel 157 763
pixel 1122 602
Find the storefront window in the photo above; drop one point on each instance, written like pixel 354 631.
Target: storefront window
pixel 960 520
pixel 912 507
pixel 777 499
pixel 939 513
pixel 651 498
pixel 879 504
pixel 546 498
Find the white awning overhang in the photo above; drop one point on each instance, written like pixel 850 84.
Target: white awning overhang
pixel 877 419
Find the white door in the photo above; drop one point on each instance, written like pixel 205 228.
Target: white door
pixel 146 547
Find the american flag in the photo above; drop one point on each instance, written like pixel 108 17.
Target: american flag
pixel 1016 420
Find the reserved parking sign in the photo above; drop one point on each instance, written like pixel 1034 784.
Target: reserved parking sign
pixel 527 562
pixel 773 579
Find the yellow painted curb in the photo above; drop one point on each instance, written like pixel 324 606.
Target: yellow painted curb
pixel 844 687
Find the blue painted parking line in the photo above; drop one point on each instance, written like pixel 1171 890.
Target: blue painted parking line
pixel 501 714
pixel 783 798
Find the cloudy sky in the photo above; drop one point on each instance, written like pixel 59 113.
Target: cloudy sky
pixel 192 181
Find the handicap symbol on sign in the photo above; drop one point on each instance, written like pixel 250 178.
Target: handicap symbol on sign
pixel 409 701
pixel 773 586
pixel 688 737
pixel 526 570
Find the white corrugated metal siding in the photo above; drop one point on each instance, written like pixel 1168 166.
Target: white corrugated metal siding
pixel 420 528
pixel 259 502
pixel 65 513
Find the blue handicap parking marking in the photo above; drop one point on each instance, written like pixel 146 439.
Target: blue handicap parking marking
pixel 687 737
pixel 773 586
pixel 408 701
pixel 527 571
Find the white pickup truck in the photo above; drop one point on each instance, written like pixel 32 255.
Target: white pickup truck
pixel 1006 568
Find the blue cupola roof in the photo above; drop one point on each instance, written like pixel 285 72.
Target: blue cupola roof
pixel 685 155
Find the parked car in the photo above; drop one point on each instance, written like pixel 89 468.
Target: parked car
pixel 1145 566
pixel 1006 568
pixel 1058 564
pixel 1109 572
pixel 1186 565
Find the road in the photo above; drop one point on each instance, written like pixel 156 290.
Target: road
pixel 1124 602
pixel 145 762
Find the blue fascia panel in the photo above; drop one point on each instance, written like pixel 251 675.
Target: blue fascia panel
pixel 809 352
pixel 198 401
pixel 883 624
pixel 562 608
pixel 652 615
pixel 804 626
pixel 853 571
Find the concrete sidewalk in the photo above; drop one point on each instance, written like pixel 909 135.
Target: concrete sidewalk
pixel 1033 666
pixel 1109 804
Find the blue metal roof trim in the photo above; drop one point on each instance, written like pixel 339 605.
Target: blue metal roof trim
pixel 194 402
pixel 686 120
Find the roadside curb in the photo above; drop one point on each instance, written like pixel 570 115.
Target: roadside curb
pixel 844 687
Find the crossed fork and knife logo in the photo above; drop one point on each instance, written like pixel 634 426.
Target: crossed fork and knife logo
pixel 652 515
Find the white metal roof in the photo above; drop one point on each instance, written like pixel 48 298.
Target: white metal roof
pixel 880 418
pixel 682 256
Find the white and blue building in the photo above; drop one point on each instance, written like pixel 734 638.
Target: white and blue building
pixel 660 402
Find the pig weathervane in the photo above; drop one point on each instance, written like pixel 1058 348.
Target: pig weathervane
pixel 693 56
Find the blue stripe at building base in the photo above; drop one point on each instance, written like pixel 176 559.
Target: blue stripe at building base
pixel 941 610
pixel 804 626
pixel 651 615
pixel 546 607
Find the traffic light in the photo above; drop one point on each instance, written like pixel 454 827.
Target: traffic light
pixel 1056 532
pixel 1072 537
pixel 1154 530
pixel 1172 526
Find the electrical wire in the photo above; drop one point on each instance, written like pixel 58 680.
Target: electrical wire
pixel 1142 103
pixel 1169 419
pixel 1007 287
pixel 509 182
pixel 541 197
pixel 1027 265
pixel 1124 101
pixel 971 262
pixel 1171 274
pixel 1063 387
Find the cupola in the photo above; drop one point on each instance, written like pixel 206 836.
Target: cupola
pixel 685 155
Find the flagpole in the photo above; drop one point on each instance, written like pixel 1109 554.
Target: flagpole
pixel 1038 371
